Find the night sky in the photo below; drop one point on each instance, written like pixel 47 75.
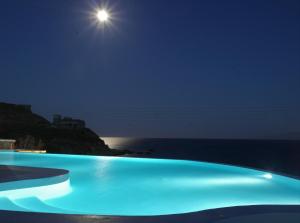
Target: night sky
pixel 162 68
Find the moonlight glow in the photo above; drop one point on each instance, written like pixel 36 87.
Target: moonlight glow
pixel 102 15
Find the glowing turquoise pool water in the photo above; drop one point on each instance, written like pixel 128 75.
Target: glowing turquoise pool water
pixel 138 187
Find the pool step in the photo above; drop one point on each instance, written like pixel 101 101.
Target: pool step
pixel 36 205
pixel 8 205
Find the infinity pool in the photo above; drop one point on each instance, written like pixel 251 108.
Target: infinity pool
pixel 140 187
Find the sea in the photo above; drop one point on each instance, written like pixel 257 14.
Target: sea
pixel 280 156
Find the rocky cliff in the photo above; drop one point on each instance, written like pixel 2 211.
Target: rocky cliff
pixel 35 132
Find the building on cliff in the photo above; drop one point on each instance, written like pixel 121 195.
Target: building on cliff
pixel 67 122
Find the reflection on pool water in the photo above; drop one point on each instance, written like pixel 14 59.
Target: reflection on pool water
pixel 139 187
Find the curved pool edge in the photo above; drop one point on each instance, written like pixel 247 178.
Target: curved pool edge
pixel 206 216
pixel 19 182
pixel 275 172
pixel 21 177
pixel 132 156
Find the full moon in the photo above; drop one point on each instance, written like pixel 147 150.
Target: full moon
pixel 102 15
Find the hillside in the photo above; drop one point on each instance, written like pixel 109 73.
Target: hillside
pixel 32 131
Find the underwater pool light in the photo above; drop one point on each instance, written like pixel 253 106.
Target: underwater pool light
pixel 268 176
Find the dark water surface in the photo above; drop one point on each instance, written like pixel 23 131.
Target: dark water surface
pixel 281 156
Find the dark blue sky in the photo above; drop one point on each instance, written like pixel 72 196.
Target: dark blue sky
pixel 164 68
